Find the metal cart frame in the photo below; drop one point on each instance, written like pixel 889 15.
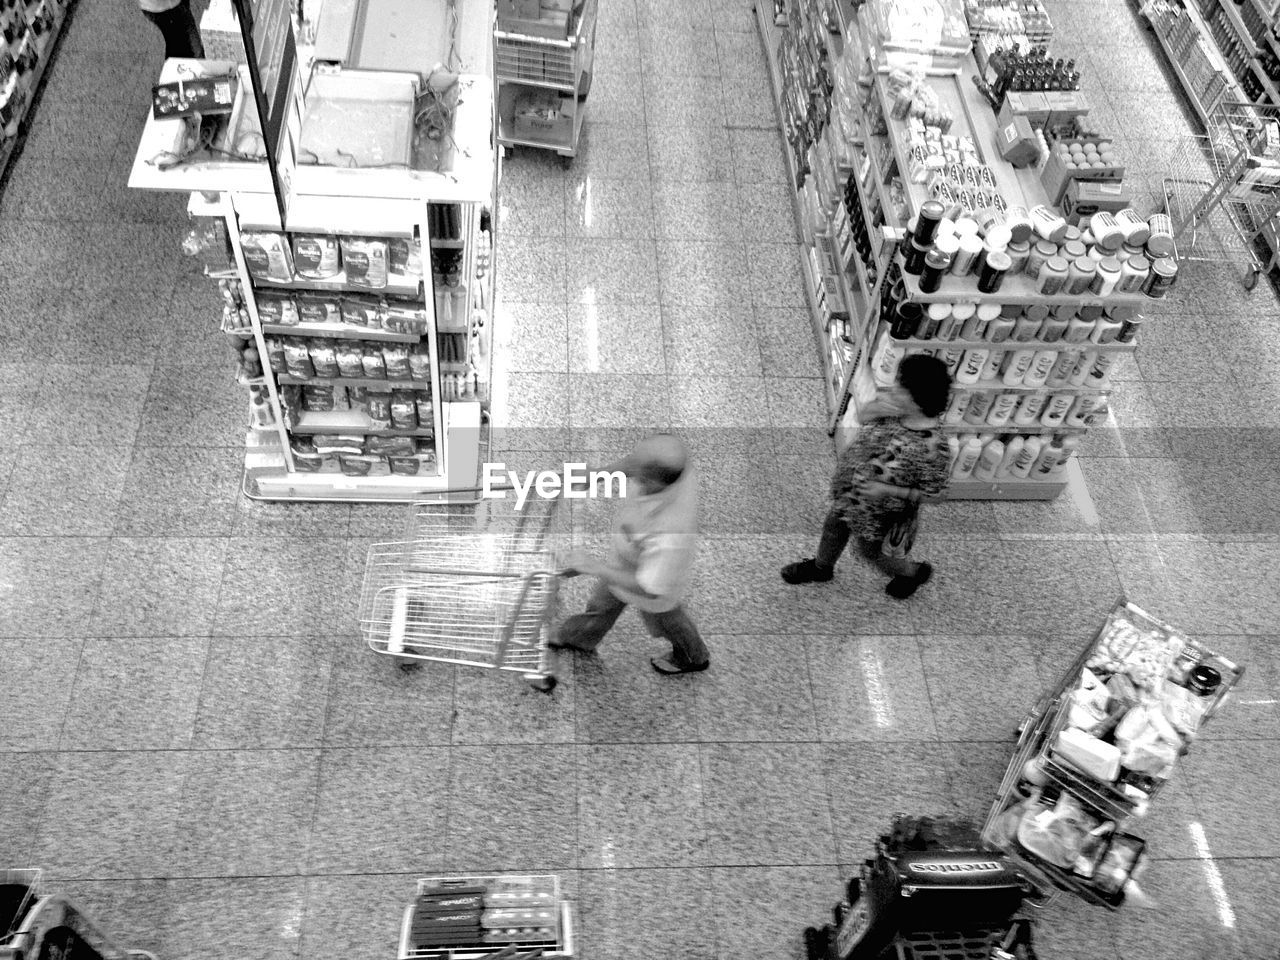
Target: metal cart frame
pixel 473 583
pixel 1035 740
pixel 540 62
pixel 1218 216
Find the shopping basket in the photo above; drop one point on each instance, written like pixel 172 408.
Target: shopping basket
pixel 473 583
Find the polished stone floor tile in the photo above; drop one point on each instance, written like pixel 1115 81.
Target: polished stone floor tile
pixel 534 212
pixel 758 156
pixel 135 694
pixel 741 495
pixel 270 519
pixel 960 669
pixel 264 692
pixel 533 272
pixel 357 916
pixel 1229 782
pixel 125 809
pixel 498 707
pixel 870 689
pixel 609 209
pixel 768 216
pixel 24 795
pixel 257 918
pixel 616 338
pixel 369 820
pixel 1069 928
pixel 100 404
pixel 976 770
pixel 1169 826
pixel 748 102
pixel 806 493
pixel 531 337
pixel 619 696
pixel 1252 710
pixel 731 702
pixel 745 822
pixel 712 340
pixel 614 99
pixel 640 805
pixel 773 905
pixel 1073 514
pixel 787 344
pixel 690 155
pixel 492 788
pixel 64 490
pixel 187 405
pixel 612 271
pixel 600 401
pixel 798 405
pixel 159 586
pixel 774 269
pixel 35 689
pixel 52 583
pixel 246 812
pixel 1186 921
pixel 672 101
pixel 704 273
pixel 618 151
pixel 871 782
pixel 181 491
pixel 697 211
pixel 274 588
pixel 706 406
pixel 670 912
pixel 374 703
pixel 1249 886
pixel 133 913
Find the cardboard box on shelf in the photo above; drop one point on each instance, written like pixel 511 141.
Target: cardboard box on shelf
pixel 1030 104
pixel 1084 198
pixel 1057 176
pixel 544 116
pixel 1017 142
pixel 1065 105
pixel 518 9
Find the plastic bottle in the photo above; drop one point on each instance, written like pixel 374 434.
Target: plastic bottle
pixel 1022 463
pixel 1079 330
pixel 1041 364
pixel 1062 367
pixel 979 407
pixel 1082 409
pixel 1000 329
pixel 1048 458
pixel 953 451
pixel 1002 409
pixel 989 462
pixel 1016 367
pixel 956 407
pixel 1030 407
pixel 994 362
pixel 1100 373
pixel 976 327
pixel 971 366
pixel 1055 411
pixel 961 314
pixel 889 353
pixel 967 459
pixel 952 359
pixel 1055 327
pixel 1027 327
pixel 1068 450
pixel 1080 372
pixel 1012 450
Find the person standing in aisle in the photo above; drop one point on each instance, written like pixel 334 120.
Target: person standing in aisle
pixel 893 462
pixel 177 23
pixel 655 535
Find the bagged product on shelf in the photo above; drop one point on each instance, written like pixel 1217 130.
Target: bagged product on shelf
pixel 275 355
pixel 365 261
pixel 315 256
pixel 396 357
pixel 358 397
pixel 404 466
pixel 404 257
pixel 422 401
pixel 318 309
pixel 404 317
pixel 379 410
pixel 324 358
pixel 340 445
pixel 392 446
pixel 267 256
pixel 318 399
pixel 361 312
pixel 308 462
pixel 277 308
pixel 358 465
pixel 350 359
pixel 375 366
pixel 404 410
pixel 298 359
pixel 419 362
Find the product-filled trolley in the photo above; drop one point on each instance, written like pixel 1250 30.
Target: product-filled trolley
pixel 472 583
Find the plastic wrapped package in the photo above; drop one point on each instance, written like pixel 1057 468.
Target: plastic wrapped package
pixel 375 366
pixel 361 312
pixel 298 359
pixel 379 410
pixel 277 308
pixel 405 257
pixel 425 411
pixel 275 355
pixel 268 257
pixel 315 256
pixel 419 362
pixel 324 358
pixel 318 309
pixel 350 359
pixel 365 261
pixel 930 27
pixel 396 357
pixel 404 410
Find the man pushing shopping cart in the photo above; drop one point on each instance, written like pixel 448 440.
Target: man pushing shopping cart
pixel 475 582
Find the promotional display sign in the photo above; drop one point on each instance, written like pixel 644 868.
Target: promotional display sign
pixel 267 31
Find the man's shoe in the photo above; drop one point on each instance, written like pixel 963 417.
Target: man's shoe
pixel 806 571
pixel 668 667
pixel 900 588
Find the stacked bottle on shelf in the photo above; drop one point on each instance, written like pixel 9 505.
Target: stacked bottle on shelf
pixel 806 82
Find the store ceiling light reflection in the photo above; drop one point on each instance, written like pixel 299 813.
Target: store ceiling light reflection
pixel 1226 914
pixel 877 689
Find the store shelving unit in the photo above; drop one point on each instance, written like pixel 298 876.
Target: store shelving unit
pixel 314 436
pixel 36 28
pixel 859 146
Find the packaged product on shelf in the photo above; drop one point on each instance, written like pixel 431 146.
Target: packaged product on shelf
pixel 392 446
pixel 360 465
pixel 267 256
pixel 375 366
pixel 317 399
pixel 361 311
pixel 422 403
pixel 341 445
pixel 1119 863
pixel 404 412
pixel 298 359
pixel 404 317
pixel 405 256
pixel 315 256
pixel 396 357
pixel 308 462
pixel 358 397
pixel 350 359
pixel 250 362
pixel 419 362
pixel 324 358
pixel 365 261
pixel 206 239
pixel 404 466
pixel 379 410
pixel 275 355
pixel 318 308
pixel 277 308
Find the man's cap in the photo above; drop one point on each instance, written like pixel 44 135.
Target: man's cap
pixel 662 451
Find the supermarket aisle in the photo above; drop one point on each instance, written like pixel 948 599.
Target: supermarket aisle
pixel 200 750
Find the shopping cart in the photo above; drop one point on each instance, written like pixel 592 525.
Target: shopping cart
pixel 473 583
pixel 38 924
pixel 931 892
pixel 1221 195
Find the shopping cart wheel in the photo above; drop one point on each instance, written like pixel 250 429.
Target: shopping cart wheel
pixel 543 684
pixel 408 666
pixel 1251 280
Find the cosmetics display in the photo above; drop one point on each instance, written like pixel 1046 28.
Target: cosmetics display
pixel 29 32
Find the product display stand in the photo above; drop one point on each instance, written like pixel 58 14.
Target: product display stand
pixel 362 322
pixel 858 192
pixel 35 28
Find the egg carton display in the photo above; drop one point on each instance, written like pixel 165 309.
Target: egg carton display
pixel 1018 18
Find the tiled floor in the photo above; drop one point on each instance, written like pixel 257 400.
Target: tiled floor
pixel 196 745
